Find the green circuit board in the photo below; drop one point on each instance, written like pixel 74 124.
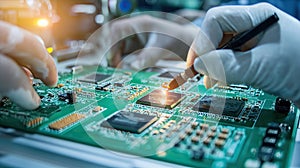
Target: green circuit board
pixel 132 112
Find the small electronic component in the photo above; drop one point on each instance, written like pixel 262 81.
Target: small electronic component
pixel 60 85
pixel 76 69
pixel 266 153
pixel 219 105
pixel 223 136
pixel 118 84
pixel 207 141
pixel 103 87
pixel 267 150
pixel 220 143
pixel 161 98
pixel 97 109
pixel 195 139
pixel 71 97
pixel 129 121
pixel 78 90
pixel 269 141
pixel 94 78
pixel 282 105
pixel 198 155
pixel 66 121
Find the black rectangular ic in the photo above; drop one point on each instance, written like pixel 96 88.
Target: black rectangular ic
pixel 161 98
pixel 94 78
pixel 129 121
pixel 220 105
pixel 168 74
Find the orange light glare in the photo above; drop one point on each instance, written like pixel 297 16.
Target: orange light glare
pixel 163 98
pixel 42 22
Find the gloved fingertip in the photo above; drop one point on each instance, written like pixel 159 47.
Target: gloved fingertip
pixel 37 100
pixel 48 74
pixel 27 99
pixel 200 66
pixel 192 55
pixel 52 82
pixel 52 77
pixel 33 103
pixel 209 82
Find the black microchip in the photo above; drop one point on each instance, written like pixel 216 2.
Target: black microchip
pixel 129 121
pixel 220 105
pixel 161 98
pixel 154 69
pixel 94 78
pixel 168 74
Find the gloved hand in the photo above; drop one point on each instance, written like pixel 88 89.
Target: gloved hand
pixel 18 49
pixel 272 65
pixel 147 38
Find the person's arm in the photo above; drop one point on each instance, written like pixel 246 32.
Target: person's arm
pixel 23 53
pixel 272 65
pixel 147 38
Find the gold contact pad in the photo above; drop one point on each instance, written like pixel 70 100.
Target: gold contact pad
pixel 34 122
pixel 62 123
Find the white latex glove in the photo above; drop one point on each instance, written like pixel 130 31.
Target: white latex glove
pixel 18 49
pixel 272 65
pixel 147 38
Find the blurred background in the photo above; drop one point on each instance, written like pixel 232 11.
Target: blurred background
pixel 64 25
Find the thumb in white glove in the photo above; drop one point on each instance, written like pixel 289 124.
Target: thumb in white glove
pixel 272 65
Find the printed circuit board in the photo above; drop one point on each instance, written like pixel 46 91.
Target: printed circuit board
pixel 130 112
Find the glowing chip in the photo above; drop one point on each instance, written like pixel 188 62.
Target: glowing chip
pixel 161 98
